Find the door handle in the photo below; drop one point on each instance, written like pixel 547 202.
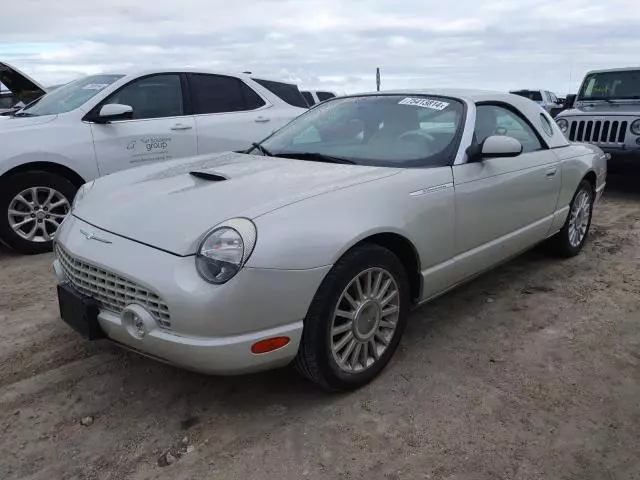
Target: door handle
pixel 262 120
pixel 551 172
pixel 181 126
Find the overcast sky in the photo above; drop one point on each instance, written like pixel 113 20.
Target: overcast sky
pixel 333 44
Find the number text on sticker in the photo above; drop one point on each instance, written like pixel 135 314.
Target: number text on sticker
pixel 424 102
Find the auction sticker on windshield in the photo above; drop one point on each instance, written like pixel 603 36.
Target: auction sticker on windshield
pixel 424 102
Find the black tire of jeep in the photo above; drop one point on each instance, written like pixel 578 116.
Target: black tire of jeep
pixel 315 359
pixel 559 244
pixel 12 186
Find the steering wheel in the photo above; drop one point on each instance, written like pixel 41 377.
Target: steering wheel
pixel 421 134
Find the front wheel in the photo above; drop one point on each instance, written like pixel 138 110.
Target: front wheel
pixel 569 241
pixel 32 207
pixel 356 319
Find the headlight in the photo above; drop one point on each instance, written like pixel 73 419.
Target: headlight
pixel 225 249
pixel 635 127
pixel 562 124
pixel 82 191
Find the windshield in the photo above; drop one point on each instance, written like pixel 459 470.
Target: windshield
pixel 534 95
pixel 611 85
pixel 69 97
pixel 382 130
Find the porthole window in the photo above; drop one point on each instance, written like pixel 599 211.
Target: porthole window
pixel 546 125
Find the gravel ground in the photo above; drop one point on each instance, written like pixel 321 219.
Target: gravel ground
pixel 531 371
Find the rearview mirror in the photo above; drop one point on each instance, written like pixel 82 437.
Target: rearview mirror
pixel 570 100
pixel 115 111
pixel 500 146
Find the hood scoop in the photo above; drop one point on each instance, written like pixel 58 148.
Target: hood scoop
pixel 212 177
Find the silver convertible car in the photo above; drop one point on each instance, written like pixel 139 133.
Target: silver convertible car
pixel 313 246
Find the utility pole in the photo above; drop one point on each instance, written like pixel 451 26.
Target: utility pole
pixel 378 79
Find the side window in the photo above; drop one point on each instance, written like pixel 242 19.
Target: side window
pixel 220 94
pixel 309 98
pixel 285 91
pixel 495 120
pixel 152 97
pixel 322 96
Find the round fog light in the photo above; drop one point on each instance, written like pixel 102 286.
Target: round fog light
pixel 137 321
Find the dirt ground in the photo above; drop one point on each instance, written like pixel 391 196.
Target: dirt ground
pixel 530 372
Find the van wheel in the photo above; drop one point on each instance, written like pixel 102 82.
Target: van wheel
pixel 32 207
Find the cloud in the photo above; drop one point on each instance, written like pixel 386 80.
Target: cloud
pixel 495 44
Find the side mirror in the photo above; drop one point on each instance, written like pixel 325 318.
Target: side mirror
pixel 114 111
pixel 570 100
pixel 500 146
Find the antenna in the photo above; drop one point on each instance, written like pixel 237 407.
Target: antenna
pixel 378 79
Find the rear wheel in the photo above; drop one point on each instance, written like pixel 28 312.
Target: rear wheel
pixel 32 207
pixel 569 241
pixel 356 319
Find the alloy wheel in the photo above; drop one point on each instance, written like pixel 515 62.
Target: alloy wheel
pixel 35 214
pixel 364 320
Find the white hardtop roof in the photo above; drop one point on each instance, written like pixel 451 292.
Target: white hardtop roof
pixel 471 95
pixel 530 109
pixel 606 70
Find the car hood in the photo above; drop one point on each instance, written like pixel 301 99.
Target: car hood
pixel 602 108
pixel 167 207
pixel 13 123
pixel 20 84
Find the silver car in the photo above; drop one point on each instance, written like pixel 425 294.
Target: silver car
pixel 313 246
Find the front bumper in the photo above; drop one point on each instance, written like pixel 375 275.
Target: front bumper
pixel 212 327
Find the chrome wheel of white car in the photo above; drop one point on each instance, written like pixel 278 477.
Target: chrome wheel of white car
pixel 570 240
pixel 355 320
pixel 579 217
pixel 365 320
pixel 36 213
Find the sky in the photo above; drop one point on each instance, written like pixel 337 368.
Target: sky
pixel 329 44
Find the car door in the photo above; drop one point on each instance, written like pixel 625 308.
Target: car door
pixel 229 115
pixel 504 205
pixel 159 130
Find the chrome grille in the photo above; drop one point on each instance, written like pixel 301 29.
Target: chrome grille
pixel 111 291
pixel 598 131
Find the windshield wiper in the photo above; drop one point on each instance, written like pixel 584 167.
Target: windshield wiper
pixel 22 114
pixel 261 149
pixel 315 157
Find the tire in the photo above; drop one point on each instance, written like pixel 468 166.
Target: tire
pixel 18 215
pixel 562 243
pixel 318 356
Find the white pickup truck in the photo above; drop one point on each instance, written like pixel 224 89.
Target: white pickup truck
pixel 105 123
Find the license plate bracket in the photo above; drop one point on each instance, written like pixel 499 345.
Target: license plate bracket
pixel 79 312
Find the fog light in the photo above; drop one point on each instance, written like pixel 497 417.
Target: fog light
pixel 269 344
pixel 137 321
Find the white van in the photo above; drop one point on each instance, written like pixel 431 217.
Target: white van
pixel 105 123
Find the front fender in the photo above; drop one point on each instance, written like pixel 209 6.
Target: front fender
pixel 316 232
pixel 59 142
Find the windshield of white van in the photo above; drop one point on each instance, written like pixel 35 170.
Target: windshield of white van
pixel 620 85
pixel 68 97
